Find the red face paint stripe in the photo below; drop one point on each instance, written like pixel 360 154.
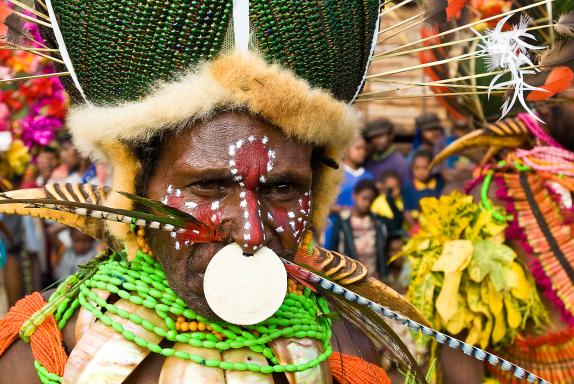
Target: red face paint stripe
pixel 251 162
pixel 254 234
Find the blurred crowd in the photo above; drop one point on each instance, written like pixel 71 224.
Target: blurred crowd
pixel 384 181
pixel 41 252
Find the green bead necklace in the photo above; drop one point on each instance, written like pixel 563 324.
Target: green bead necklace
pixel 143 282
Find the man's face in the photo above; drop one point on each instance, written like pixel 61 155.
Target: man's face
pixel 382 142
pixel 239 173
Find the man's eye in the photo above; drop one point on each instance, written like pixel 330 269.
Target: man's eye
pixel 281 189
pixel 208 186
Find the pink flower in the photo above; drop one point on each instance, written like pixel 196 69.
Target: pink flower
pixel 4 117
pixel 39 129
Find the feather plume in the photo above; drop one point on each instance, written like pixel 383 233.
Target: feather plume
pixel 565 24
pixel 187 227
pixel 560 54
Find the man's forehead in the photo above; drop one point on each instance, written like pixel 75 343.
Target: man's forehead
pixel 230 127
pixel 219 140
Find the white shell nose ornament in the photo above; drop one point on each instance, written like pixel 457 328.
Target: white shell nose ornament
pixel 245 290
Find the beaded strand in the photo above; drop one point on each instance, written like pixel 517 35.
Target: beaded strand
pixel 143 282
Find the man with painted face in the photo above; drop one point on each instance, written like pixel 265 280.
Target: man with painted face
pixel 223 122
pixel 232 136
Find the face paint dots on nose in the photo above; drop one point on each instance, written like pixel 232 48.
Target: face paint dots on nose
pixel 250 162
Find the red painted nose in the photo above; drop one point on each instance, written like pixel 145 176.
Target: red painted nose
pixel 253 229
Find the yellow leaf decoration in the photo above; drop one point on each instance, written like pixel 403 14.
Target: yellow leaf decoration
pixel 455 256
pixel 465 279
pixel 447 300
pixel 521 290
pixel 513 315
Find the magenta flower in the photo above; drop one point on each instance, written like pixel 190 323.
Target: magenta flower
pixel 39 129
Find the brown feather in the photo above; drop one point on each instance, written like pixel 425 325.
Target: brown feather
pixel 558 55
pixel 565 24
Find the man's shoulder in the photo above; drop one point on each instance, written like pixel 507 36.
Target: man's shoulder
pixel 17 365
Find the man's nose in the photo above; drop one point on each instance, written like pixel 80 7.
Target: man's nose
pixel 248 228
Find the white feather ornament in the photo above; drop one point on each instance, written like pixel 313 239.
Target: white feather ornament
pixel 508 51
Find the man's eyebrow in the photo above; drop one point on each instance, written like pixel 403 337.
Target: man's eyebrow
pixel 205 173
pixel 290 175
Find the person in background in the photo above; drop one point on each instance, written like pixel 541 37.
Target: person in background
pixel 429 135
pixel 46 162
pixel 39 172
pixel 74 168
pixel 353 172
pixel 389 203
pixel 384 154
pixel 360 234
pixel 22 272
pixel 423 184
pixel 71 248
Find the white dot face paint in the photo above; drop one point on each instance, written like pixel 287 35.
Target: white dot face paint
pixel 190 205
pixel 242 166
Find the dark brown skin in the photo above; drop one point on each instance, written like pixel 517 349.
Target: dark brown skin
pixel 196 161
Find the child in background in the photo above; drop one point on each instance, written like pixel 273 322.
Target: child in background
pixel 396 277
pixel 71 248
pixel 353 173
pixel 359 234
pixel 423 184
pixel 429 135
pixel 390 198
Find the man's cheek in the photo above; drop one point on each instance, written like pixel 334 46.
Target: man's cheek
pixel 290 222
